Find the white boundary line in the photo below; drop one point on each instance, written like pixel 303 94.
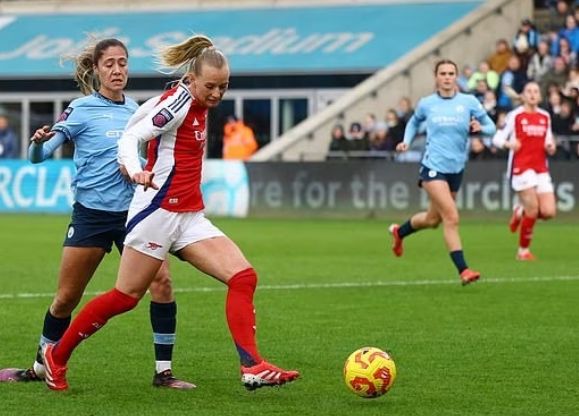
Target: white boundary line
pixel 300 286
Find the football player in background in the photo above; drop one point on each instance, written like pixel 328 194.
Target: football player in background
pixel 528 136
pixel 450 117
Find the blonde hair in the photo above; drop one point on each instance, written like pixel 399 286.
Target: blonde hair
pixel 85 62
pixel 191 54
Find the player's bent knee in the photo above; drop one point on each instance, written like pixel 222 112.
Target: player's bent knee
pixel 161 290
pixel 548 214
pixel 246 278
pixel 63 304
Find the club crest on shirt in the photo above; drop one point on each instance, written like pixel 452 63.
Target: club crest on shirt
pixel 162 117
pixel 65 114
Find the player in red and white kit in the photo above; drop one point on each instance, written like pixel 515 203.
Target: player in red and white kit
pixel 529 137
pixel 166 216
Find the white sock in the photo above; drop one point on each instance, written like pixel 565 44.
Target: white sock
pixel 161 366
pixel 39 369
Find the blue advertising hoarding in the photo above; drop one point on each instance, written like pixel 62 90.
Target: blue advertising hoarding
pixel 266 40
pixel 45 187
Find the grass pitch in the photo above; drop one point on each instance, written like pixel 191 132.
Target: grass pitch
pixel 506 345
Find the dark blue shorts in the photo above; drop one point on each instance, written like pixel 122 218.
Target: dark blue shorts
pixel 96 228
pixel 454 180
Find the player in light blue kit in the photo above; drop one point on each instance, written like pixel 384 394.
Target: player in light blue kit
pixel 94 124
pixel 450 116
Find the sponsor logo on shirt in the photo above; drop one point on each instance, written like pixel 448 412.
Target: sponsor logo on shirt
pixel 534 130
pixel 447 120
pixel 114 133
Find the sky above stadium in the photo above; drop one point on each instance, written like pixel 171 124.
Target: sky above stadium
pixel 338 39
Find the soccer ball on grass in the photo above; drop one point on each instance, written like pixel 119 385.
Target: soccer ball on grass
pixel 369 372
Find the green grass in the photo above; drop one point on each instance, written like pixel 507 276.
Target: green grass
pixel 504 346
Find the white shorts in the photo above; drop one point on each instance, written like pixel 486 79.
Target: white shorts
pixel 161 231
pixel 531 179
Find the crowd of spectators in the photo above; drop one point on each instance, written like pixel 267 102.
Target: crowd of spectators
pixel 547 55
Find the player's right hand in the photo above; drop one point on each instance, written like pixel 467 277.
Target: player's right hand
pixel 401 147
pixel 515 145
pixel 42 134
pixel 145 178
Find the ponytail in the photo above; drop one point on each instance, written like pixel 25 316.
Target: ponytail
pixel 191 54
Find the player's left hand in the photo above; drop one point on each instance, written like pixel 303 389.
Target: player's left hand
pixel 475 126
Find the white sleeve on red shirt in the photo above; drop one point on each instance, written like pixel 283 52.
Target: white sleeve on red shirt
pixel 504 135
pixel 549 139
pixel 161 118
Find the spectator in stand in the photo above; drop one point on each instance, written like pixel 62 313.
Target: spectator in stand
pixel 566 53
pixel 554 102
pixel 481 89
pixel 357 139
pixel 338 142
pixel 540 62
pixel 464 77
pixel 379 140
pixel 395 129
pixel 405 110
pixel 498 61
pixel 489 103
pixel 572 94
pixel 527 37
pixel 526 41
pixel 484 73
pixel 572 82
pixel 8 139
pixel 570 32
pixel 238 140
pixel 564 126
pixel 368 125
pixel 559 15
pixel 556 75
pixel 512 83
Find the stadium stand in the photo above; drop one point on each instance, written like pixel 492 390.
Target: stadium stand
pixel 294 114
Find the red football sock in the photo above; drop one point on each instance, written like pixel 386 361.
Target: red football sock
pixel 526 233
pixel 241 315
pixel 90 319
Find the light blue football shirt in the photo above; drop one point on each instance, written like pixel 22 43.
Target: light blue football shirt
pixel 95 124
pixel 447 129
